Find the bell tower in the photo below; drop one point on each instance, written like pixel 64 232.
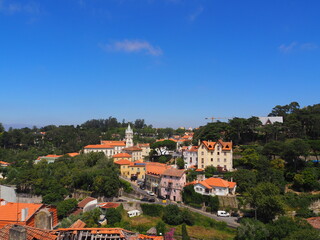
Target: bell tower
pixel 129 137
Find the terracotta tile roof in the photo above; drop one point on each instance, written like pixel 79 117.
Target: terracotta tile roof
pixel 31 232
pixel 226 146
pixel 78 224
pixel 73 154
pixel 85 201
pixel 123 162
pixel 53 156
pixel 131 149
pixel 122 155
pixel 113 143
pixel 12 212
pixel 108 205
pixel 174 172
pixel 314 222
pixel 98 146
pixel 4 163
pixel 139 145
pixel 194 149
pixel 199 170
pixel 155 168
pixel 77 212
pixel 217 182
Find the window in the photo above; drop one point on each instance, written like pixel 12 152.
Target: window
pixel 211 153
pixel 218 153
pixel 225 160
pixel 225 153
pixel 202 160
pixel 202 153
pixel 211 159
pixel 218 159
pixel 218 148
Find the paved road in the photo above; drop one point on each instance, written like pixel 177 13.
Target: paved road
pixel 231 221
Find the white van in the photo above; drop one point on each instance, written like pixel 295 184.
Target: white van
pixel 134 213
pixel 223 214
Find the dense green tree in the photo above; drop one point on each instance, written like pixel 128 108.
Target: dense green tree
pixel 66 207
pixel 161 228
pixel 265 199
pixel 245 179
pixel 184 232
pixel 113 216
pixel 251 229
pixel 172 215
pixel 180 163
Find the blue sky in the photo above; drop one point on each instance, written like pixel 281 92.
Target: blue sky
pixel 171 62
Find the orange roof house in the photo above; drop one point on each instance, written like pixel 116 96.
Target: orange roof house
pixel 122 156
pixel 73 154
pixel 113 143
pixel 214 186
pixel 28 214
pixel 4 164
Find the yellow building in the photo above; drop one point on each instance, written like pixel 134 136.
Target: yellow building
pixel 135 152
pixel 132 170
pixel 122 156
pixel 218 154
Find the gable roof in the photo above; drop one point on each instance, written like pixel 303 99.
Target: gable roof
pixel 31 232
pixel 12 212
pixel 173 172
pixel 123 162
pixel 73 154
pixel 78 224
pixel 156 168
pixel 113 143
pixel 98 146
pixel 226 146
pixel 85 201
pixel 216 182
pixel 122 155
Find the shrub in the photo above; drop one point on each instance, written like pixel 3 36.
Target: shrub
pixel 66 207
pixel 153 210
pixel 195 205
pixel 172 215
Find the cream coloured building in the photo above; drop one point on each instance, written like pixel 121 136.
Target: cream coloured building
pixel 218 154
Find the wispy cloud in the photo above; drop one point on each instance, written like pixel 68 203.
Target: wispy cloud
pixel 12 7
pixel 133 46
pixel 196 13
pixel 297 46
pixel 287 48
pixel 308 46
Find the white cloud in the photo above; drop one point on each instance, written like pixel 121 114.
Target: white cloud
pixel 297 46
pixel 11 7
pixel 131 46
pixel 287 48
pixel 196 14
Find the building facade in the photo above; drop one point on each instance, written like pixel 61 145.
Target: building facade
pixel 218 154
pixel 172 184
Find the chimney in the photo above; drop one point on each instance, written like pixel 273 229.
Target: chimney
pixel 17 232
pixel 24 214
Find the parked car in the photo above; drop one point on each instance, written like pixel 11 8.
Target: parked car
pixel 150 193
pixel 235 214
pixel 223 214
pixel 152 200
pixel 145 199
pixel 120 200
pixel 162 197
pixel 142 187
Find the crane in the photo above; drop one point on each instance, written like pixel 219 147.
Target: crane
pixel 213 118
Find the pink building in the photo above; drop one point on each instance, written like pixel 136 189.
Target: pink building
pixel 172 183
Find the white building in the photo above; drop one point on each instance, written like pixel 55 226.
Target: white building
pixel 215 187
pixel 270 120
pixel 190 156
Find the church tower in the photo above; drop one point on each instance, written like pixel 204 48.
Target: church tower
pixel 129 137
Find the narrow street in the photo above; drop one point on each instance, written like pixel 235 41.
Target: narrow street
pixel 231 221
